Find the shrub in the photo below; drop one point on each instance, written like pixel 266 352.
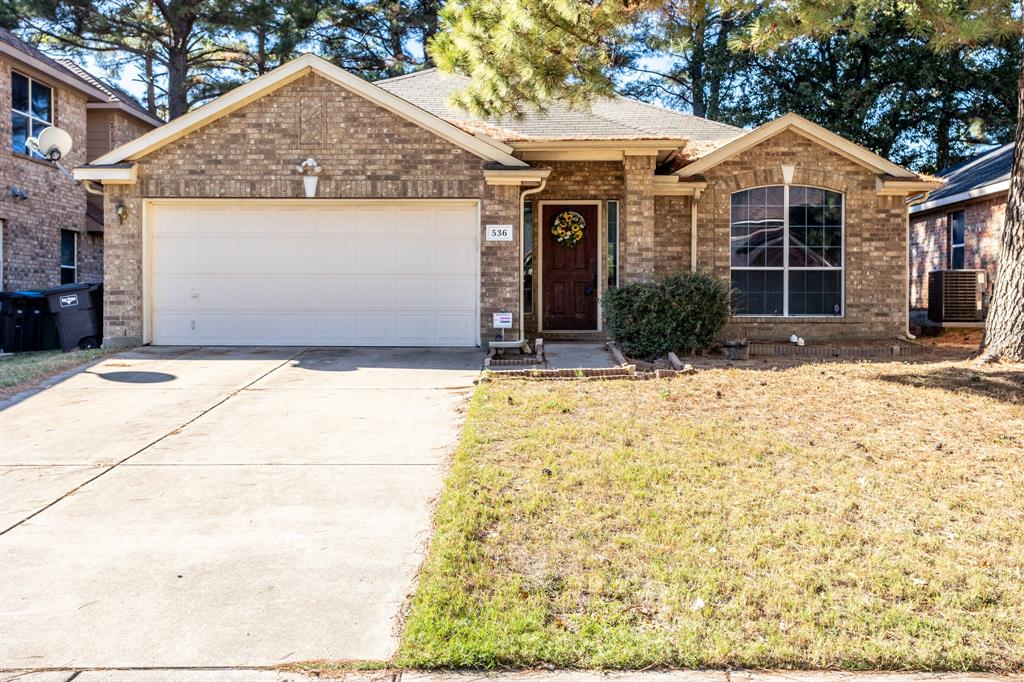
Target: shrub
pixel 680 313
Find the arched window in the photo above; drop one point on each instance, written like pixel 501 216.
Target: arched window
pixel 787 251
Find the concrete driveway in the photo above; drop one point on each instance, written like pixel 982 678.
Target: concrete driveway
pixel 222 507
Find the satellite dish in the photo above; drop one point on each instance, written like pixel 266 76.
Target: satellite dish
pixel 53 143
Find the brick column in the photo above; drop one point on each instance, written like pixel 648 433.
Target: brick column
pixel 637 241
pixel 500 287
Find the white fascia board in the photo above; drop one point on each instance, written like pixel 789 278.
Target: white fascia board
pixel 994 188
pixel 287 73
pixel 108 176
pixel 515 177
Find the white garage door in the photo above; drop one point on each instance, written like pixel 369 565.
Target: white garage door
pixel 258 273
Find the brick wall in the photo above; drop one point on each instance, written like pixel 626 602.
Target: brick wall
pixel 672 247
pixel 31 239
pixel 638 246
pixel 929 242
pixel 875 234
pixel 365 151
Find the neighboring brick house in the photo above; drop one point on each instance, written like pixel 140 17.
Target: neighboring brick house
pixel 51 232
pixel 425 223
pixel 959 225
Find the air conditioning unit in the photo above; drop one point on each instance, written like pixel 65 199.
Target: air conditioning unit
pixel 956 295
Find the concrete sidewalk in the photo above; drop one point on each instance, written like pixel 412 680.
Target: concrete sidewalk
pixel 522 676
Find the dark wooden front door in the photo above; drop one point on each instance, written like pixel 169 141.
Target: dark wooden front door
pixel 570 272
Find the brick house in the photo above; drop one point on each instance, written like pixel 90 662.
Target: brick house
pixel 959 226
pixel 51 232
pixel 425 222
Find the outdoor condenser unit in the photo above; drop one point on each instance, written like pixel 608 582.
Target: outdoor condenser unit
pixel 956 295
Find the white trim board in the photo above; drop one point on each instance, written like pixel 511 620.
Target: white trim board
pixel 308 63
pixel 978 192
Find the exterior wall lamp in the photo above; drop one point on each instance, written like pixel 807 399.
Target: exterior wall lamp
pixel 122 212
pixel 310 172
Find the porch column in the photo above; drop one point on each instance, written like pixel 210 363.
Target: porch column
pixel 638 244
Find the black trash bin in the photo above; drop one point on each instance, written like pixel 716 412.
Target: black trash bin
pixel 79 312
pixel 21 321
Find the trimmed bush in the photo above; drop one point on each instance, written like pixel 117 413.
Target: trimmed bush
pixel 680 313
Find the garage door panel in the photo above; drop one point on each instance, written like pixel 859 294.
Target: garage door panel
pixel 374 255
pixel 413 292
pixel 260 273
pixel 451 329
pixel 335 293
pixel 336 329
pixel 454 292
pixel 416 255
pixel 374 329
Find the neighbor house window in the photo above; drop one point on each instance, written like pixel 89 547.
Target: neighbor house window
pixel 68 256
pixel 787 251
pixel 956 240
pixel 613 243
pixel 31 111
pixel 528 257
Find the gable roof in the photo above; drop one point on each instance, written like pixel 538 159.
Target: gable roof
pixel 483 147
pixel 70 74
pixel 985 174
pixel 612 118
pixel 801 126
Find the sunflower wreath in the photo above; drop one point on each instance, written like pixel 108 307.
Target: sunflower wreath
pixel 568 228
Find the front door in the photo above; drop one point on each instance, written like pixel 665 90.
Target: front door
pixel 570 271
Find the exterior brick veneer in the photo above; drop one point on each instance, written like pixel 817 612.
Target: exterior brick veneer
pixel 929 242
pixel 638 243
pixel 31 239
pixel 366 153
pixel 875 233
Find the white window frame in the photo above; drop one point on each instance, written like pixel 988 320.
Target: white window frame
pixel 73 268
pixel 953 246
pixel 786 268
pixel 32 120
pixel 618 229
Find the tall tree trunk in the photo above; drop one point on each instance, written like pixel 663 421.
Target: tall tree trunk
pixel 150 84
pixel 1004 328
pixel 177 80
pixel 698 58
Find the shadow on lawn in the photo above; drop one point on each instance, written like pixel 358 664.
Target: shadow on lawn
pixel 1003 385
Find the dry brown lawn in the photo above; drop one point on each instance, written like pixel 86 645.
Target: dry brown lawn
pixel 839 515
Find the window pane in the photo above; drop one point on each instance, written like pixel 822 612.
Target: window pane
pixel 613 243
pixel 957 258
pixel 528 257
pixel 41 102
pixel 67 248
pixel 815 292
pixel 760 291
pixel 19 92
pixel 956 228
pixel 67 275
pixel 19 133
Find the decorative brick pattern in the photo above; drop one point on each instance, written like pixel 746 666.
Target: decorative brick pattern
pixel 875 288
pixel 638 246
pixel 31 233
pixel 929 242
pixel 366 153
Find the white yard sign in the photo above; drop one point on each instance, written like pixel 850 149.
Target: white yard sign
pixel 502 320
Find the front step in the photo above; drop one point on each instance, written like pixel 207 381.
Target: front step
pixel 560 337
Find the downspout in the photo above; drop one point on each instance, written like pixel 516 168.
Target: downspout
pixel 906 274
pixel 693 230
pixel 522 246
pixel 88 185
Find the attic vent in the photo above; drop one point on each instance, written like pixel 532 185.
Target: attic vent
pixel 956 295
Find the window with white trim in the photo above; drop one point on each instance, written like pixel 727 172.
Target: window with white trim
pixel 957 229
pixel 68 256
pixel 786 251
pixel 613 244
pixel 31 111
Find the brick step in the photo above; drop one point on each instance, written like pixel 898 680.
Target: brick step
pixel 557 337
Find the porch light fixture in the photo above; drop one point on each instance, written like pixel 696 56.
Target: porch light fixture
pixel 122 212
pixel 310 172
